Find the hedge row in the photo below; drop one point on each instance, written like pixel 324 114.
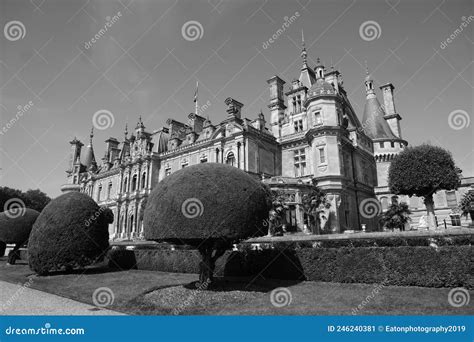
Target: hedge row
pixel 446 266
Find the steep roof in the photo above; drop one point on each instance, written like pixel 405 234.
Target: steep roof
pixel 373 121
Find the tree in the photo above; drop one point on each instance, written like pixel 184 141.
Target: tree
pixel 421 171
pixel 465 206
pixel 277 213
pixel 71 232
pixel 33 199
pixel 313 203
pixel 209 206
pixel 396 216
pixel 36 199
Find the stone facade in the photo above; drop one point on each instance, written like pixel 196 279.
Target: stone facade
pixel 314 135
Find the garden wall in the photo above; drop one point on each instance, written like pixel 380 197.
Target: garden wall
pixel 442 262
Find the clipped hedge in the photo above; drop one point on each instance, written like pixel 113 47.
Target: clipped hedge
pixel 445 266
pixel 71 232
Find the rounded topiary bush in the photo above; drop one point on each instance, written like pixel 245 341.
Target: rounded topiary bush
pixel 71 232
pixel 15 228
pixel 209 206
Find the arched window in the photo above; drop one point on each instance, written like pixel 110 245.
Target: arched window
pixel 134 182
pixel 230 160
pixel 109 190
pixel 131 224
pixel 98 192
pixel 125 183
pixel 144 180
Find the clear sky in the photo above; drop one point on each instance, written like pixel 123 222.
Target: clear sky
pixel 146 64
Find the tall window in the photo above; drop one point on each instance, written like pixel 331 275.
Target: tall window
pixel 143 180
pixel 125 183
pixel 298 125
pixel 134 182
pixel 318 120
pixel 322 155
pixel 230 160
pixel 98 192
pixel 451 199
pixel 109 190
pixel 300 162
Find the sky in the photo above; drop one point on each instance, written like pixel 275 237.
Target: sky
pixel 56 79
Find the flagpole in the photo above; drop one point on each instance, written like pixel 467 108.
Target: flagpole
pixel 196 98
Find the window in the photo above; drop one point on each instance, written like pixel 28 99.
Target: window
pixel 392 144
pixel 300 162
pixel 98 192
pixel 125 183
pixel 74 180
pixel 109 190
pixel 230 160
pixel 204 158
pixel 144 180
pixel 184 163
pixel 382 144
pixel 168 171
pixel 451 199
pixel 318 120
pixel 134 182
pixel 322 155
pixel 298 125
pixel 384 201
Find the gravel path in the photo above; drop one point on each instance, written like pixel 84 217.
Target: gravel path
pixel 22 300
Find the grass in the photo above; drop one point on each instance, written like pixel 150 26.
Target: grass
pixel 159 293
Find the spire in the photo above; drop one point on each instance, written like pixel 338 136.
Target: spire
pixel 140 124
pixel 89 158
pixel 91 136
pixel 369 83
pixel 304 54
pixel 125 132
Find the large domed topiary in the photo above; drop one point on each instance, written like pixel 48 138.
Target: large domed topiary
pixel 71 232
pixel 15 228
pixel 209 206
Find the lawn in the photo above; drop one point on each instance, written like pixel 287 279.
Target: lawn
pixel 161 293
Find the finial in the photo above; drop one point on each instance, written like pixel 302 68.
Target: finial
pixel 126 131
pixel 92 134
pixel 332 64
